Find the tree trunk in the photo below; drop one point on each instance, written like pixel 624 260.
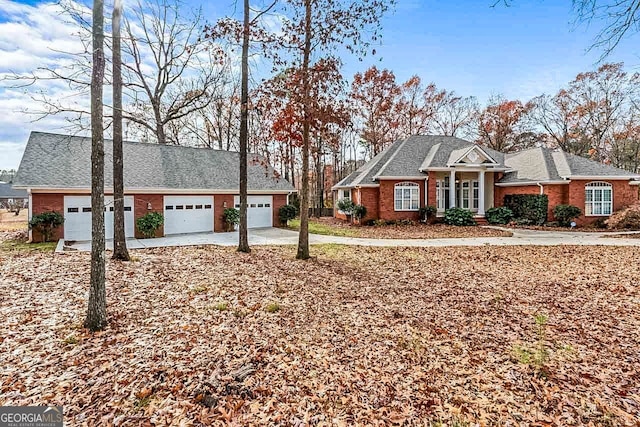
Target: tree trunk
pixel 319 182
pixel 119 239
pixel 97 308
pixel 243 240
pixel 160 134
pixel 292 159
pixel 303 237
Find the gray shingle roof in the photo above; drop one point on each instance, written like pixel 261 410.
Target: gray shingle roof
pixel 8 192
pixel 544 164
pixel 61 161
pixel 407 157
pixel 418 153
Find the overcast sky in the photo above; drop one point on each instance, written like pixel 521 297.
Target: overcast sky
pixel 521 51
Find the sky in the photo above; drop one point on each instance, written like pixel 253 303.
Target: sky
pixel 520 51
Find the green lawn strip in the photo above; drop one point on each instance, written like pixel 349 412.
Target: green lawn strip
pixel 20 246
pixel 324 229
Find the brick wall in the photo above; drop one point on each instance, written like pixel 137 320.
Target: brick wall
pixel 431 191
pixel 47 203
pixel 279 200
pixel 557 194
pixel 368 197
pixel 386 207
pixel 623 195
pixel 141 207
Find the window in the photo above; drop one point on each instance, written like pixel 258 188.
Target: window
pixel 207 206
pixel 72 210
pixel 87 209
pixel 198 206
pixel 406 196
pixel 260 205
pixel 127 208
pixel 476 195
pixel 442 194
pixel 598 198
pixel 179 207
pixel 267 205
pixel 464 197
pixel 237 205
pixel 168 208
pixel 189 207
pixel 345 194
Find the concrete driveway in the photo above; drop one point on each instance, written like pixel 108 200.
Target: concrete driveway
pixel 279 236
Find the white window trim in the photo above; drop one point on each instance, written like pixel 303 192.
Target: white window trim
pixel 408 186
pixel 600 185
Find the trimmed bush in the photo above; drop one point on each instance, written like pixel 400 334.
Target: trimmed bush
pixel 566 213
pixel 45 223
pixel 359 212
pixel 531 207
pixel 149 223
pixel 231 217
pixel 427 213
pixel 459 217
pixel 501 215
pixel 346 206
pixel 627 218
pixel 287 213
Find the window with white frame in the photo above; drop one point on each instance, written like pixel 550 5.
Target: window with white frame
pixel 598 198
pixel 406 196
pixel 442 194
pixel 344 195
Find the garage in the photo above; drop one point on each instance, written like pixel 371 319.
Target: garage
pixel 188 214
pixel 77 217
pixel 259 211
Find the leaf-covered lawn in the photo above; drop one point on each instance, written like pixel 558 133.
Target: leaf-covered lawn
pixel 336 227
pixel 355 336
pixel 9 221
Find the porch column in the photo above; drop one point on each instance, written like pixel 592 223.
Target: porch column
pixel 481 192
pixel 452 189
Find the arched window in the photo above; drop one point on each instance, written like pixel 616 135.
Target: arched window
pixel 406 196
pixel 598 198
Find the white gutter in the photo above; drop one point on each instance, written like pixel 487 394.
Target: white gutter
pixel 516 184
pixel 603 177
pixel 541 187
pixel 30 214
pixel 165 191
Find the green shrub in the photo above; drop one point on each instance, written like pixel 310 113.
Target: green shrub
pixel 149 223
pixel 231 217
pixel 459 217
pixel 501 215
pixel 45 223
pixel 359 211
pixel 346 206
pixel 532 207
pixel 427 213
pixel 566 213
pixel 287 213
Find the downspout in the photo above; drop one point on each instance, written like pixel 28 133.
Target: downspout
pixel 30 213
pixel 541 188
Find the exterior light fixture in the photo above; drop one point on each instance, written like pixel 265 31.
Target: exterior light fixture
pixel 149 206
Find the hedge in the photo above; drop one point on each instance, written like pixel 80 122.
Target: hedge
pixel 528 208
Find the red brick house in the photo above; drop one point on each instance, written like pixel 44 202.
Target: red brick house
pixel 446 172
pixel 191 187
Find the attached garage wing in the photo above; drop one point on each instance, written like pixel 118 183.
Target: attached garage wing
pixel 188 214
pixel 77 217
pixel 259 211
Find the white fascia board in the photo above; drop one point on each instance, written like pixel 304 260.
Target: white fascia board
pixel 517 184
pixel 395 178
pixel 604 177
pixel 167 191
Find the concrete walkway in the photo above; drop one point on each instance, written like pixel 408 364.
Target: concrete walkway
pixel 278 236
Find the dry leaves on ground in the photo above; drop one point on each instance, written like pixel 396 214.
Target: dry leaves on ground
pixel 354 336
pixel 414 231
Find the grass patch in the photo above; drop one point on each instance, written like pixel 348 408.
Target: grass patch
pixel 21 246
pixel 272 307
pixel 324 229
pixel 221 306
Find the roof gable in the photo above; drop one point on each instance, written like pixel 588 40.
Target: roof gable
pixel 472 156
pixel 62 161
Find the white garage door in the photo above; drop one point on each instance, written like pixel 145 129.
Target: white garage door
pixel 259 211
pixel 188 214
pixel 77 217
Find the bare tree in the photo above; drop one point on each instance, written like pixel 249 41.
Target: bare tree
pixel 97 308
pixel 171 69
pixel 119 236
pixel 620 17
pixel 243 238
